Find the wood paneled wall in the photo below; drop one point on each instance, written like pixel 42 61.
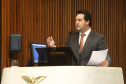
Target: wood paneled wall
pixel 35 20
pixel 0 34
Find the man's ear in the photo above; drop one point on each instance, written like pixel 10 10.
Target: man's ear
pixel 88 21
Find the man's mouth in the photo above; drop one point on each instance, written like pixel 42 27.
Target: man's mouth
pixel 77 26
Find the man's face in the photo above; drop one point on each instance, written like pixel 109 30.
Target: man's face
pixel 80 23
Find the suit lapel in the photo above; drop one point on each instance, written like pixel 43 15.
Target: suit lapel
pixel 88 41
pixel 77 38
pixel 76 46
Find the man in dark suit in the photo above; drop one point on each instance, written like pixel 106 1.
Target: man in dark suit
pixel 85 40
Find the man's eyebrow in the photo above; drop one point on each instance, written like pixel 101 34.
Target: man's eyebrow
pixel 77 18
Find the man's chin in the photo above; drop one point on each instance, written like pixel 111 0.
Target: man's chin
pixel 78 29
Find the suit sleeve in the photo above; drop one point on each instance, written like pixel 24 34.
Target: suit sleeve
pixel 102 46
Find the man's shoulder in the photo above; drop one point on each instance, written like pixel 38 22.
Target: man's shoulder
pixel 98 34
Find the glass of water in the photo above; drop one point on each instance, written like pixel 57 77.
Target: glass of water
pixel 14 62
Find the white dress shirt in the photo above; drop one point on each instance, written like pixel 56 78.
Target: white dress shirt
pixel 85 37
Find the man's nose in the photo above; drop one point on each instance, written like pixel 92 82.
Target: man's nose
pixel 76 22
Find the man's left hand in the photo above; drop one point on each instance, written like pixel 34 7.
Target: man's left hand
pixel 104 63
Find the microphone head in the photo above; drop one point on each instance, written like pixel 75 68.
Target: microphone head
pixel 70 32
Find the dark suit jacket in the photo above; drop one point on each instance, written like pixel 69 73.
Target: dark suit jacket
pixel 94 42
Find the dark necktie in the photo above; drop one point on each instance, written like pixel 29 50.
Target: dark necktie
pixel 81 43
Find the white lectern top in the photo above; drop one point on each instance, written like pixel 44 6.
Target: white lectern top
pixel 64 75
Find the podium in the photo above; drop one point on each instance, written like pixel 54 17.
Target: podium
pixel 58 56
pixel 64 75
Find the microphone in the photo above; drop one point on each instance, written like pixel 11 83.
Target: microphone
pixel 70 33
pixel 77 32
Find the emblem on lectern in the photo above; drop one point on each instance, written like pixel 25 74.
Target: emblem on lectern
pixel 36 80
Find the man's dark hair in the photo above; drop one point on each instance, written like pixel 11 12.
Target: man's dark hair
pixel 87 16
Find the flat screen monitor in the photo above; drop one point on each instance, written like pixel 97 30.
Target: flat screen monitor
pixel 36 57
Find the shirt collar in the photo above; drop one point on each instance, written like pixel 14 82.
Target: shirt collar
pixel 86 33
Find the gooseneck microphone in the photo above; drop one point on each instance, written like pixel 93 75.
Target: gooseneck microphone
pixel 70 33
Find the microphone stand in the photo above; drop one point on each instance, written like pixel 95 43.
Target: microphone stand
pixel 60 40
pixel 70 33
